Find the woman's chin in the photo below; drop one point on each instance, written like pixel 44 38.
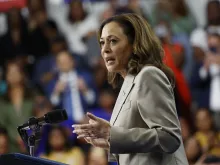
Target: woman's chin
pixel 111 69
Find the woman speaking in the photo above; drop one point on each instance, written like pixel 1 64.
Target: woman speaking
pixel 144 127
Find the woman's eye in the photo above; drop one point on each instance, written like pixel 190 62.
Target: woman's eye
pixel 113 41
pixel 101 43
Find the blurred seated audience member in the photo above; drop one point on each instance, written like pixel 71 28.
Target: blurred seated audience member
pixel 58 148
pixel 193 150
pixel 4 141
pixel 206 134
pixel 78 27
pixel 206 79
pixel 97 156
pixel 174 58
pixel 176 14
pixel 38 42
pixel 15 41
pixel 72 89
pixel 16 104
pixel 185 129
pixel 106 101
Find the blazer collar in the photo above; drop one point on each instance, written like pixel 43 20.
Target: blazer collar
pixel 125 90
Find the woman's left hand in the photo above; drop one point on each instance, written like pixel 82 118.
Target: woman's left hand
pixel 97 132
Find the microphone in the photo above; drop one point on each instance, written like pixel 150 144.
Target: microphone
pixel 53 117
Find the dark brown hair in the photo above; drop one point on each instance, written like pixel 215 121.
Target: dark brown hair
pixel 147 49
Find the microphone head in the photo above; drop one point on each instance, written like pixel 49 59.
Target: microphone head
pixel 55 116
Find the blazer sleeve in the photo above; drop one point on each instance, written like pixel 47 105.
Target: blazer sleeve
pixel 156 105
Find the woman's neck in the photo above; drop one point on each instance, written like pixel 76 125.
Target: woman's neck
pixel 123 73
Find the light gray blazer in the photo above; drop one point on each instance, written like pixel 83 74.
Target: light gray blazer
pixel 145 127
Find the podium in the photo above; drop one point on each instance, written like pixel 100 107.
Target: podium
pixel 20 159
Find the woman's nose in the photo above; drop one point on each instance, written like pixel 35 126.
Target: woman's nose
pixel 106 48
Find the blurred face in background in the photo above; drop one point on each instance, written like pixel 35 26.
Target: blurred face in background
pixel 203 120
pixel 107 100
pixel 76 10
pixel 57 140
pixel 134 3
pixel 57 47
pixel 40 17
pixel 14 18
pixel 3 144
pixel 213 13
pixel 34 5
pixel 14 75
pixel 64 62
pixel 114 3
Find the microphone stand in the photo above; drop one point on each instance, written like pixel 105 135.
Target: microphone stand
pixel 35 128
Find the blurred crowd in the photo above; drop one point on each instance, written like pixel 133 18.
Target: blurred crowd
pixel 50 59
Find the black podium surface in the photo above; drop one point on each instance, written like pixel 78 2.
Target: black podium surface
pixel 20 159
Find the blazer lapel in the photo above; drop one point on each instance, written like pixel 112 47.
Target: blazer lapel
pixel 125 90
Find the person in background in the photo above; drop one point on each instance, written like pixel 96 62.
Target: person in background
pixel 58 148
pixel 181 23
pixel 206 134
pixel 176 14
pixel 199 35
pixel 15 42
pixel 206 79
pixel 45 68
pixel 16 104
pixel 77 27
pixel 38 42
pixel 174 56
pixel 4 141
pixel 72 89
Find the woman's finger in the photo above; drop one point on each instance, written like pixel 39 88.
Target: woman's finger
pixel 81 131
pixel 93 117
pixel 86 135
pixel 82 126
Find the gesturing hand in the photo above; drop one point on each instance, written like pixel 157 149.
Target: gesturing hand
pixel 97 132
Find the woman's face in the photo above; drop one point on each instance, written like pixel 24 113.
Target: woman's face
pixel 14 75
pixel 115 48
pixel 57 140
